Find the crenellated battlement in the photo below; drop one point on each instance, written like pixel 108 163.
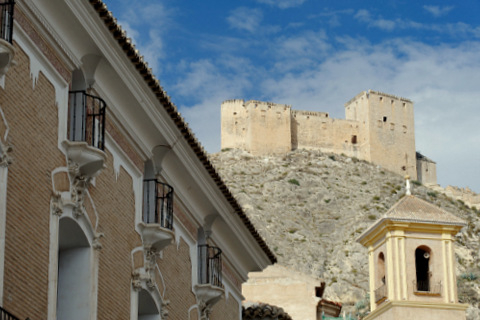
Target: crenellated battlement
pixel 379 130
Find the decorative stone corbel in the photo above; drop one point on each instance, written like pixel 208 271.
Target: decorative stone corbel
pixel 97 245
pixel 139 276
pixel 80 184
pixel 207 296
pixel 136 280
pixel 56 204
pixel 7 53
pixel 5 160
pixel 205 310
pixel 150 257
pixel 164 308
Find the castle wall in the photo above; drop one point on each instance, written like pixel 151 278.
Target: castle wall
pixel 260 127
pixel 298 291
pixel 426 171
pixel 234 124
pixel 390 127
pixel 315 130
pixel 357 109
pixel 378 128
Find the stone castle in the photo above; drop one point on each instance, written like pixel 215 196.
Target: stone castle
pixel 378 128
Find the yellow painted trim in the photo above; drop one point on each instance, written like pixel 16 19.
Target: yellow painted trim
pixel 384 226
pixel 390 274
pixel 403 263
pixel 445 271
pixel 372 269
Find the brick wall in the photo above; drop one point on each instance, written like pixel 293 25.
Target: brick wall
pixel 33 120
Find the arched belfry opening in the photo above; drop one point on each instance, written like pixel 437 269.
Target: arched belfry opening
pixel 147 308
pixel 381 269
pixel 74 272
pixel 422 268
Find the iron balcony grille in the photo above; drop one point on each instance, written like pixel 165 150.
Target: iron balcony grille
pixel 157 203
pixel 6 20
pixel 381 292
pixel 427 287
pixel 87 119
pixel 5 315
pixel 210 265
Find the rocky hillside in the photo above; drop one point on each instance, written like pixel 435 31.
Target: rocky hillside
pixel 310 207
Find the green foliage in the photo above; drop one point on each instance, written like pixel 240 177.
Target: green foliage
pixel 432 194
pixel 416 182
pixel 372 217
pixel 226 149
pixel 469 276
pixel 327 200
pixel 332 157
pixel 294 181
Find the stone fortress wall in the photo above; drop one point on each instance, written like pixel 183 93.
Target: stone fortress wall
pixel 378 128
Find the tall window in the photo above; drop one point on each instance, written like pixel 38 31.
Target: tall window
pixel 422 267
pixel 74 272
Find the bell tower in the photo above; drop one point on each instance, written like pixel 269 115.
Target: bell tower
pixel 412 262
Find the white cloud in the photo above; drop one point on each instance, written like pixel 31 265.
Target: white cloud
pixel 283 4
pixel 458 29
pixel 438 11
pixel 154 17
pixel 364 16
pixel 245 19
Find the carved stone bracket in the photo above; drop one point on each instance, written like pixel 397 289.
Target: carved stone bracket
pixel 97 245
pixel 80 184
pixel 164 309
pixel 139 276
pixel 205 310
pixel 207 295
pixel 7 53
pixel 5 160
pixel 56 205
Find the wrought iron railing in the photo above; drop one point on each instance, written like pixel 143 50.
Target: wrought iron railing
pixel 428 287
pixel 381 292
pixel 157 203
pixel 6 20
pixel 210 265
pixel 5 315
pixel 87 119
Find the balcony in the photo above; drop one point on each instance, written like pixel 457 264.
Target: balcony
pixel 5 315
pixel 209 288
pixel 427 288
pixel 157 217
pixel 7 52
pixel 86 133
pixel 381 293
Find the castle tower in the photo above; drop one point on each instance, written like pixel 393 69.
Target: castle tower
pixel 259 127
pixel 387 127
pixel 412 263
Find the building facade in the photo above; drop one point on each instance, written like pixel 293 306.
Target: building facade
pixel 109 206
pixel 378 128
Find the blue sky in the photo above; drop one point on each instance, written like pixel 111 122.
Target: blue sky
pixel 317 55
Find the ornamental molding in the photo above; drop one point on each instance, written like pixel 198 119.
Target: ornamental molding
pixel 56 204
pixel 79 186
